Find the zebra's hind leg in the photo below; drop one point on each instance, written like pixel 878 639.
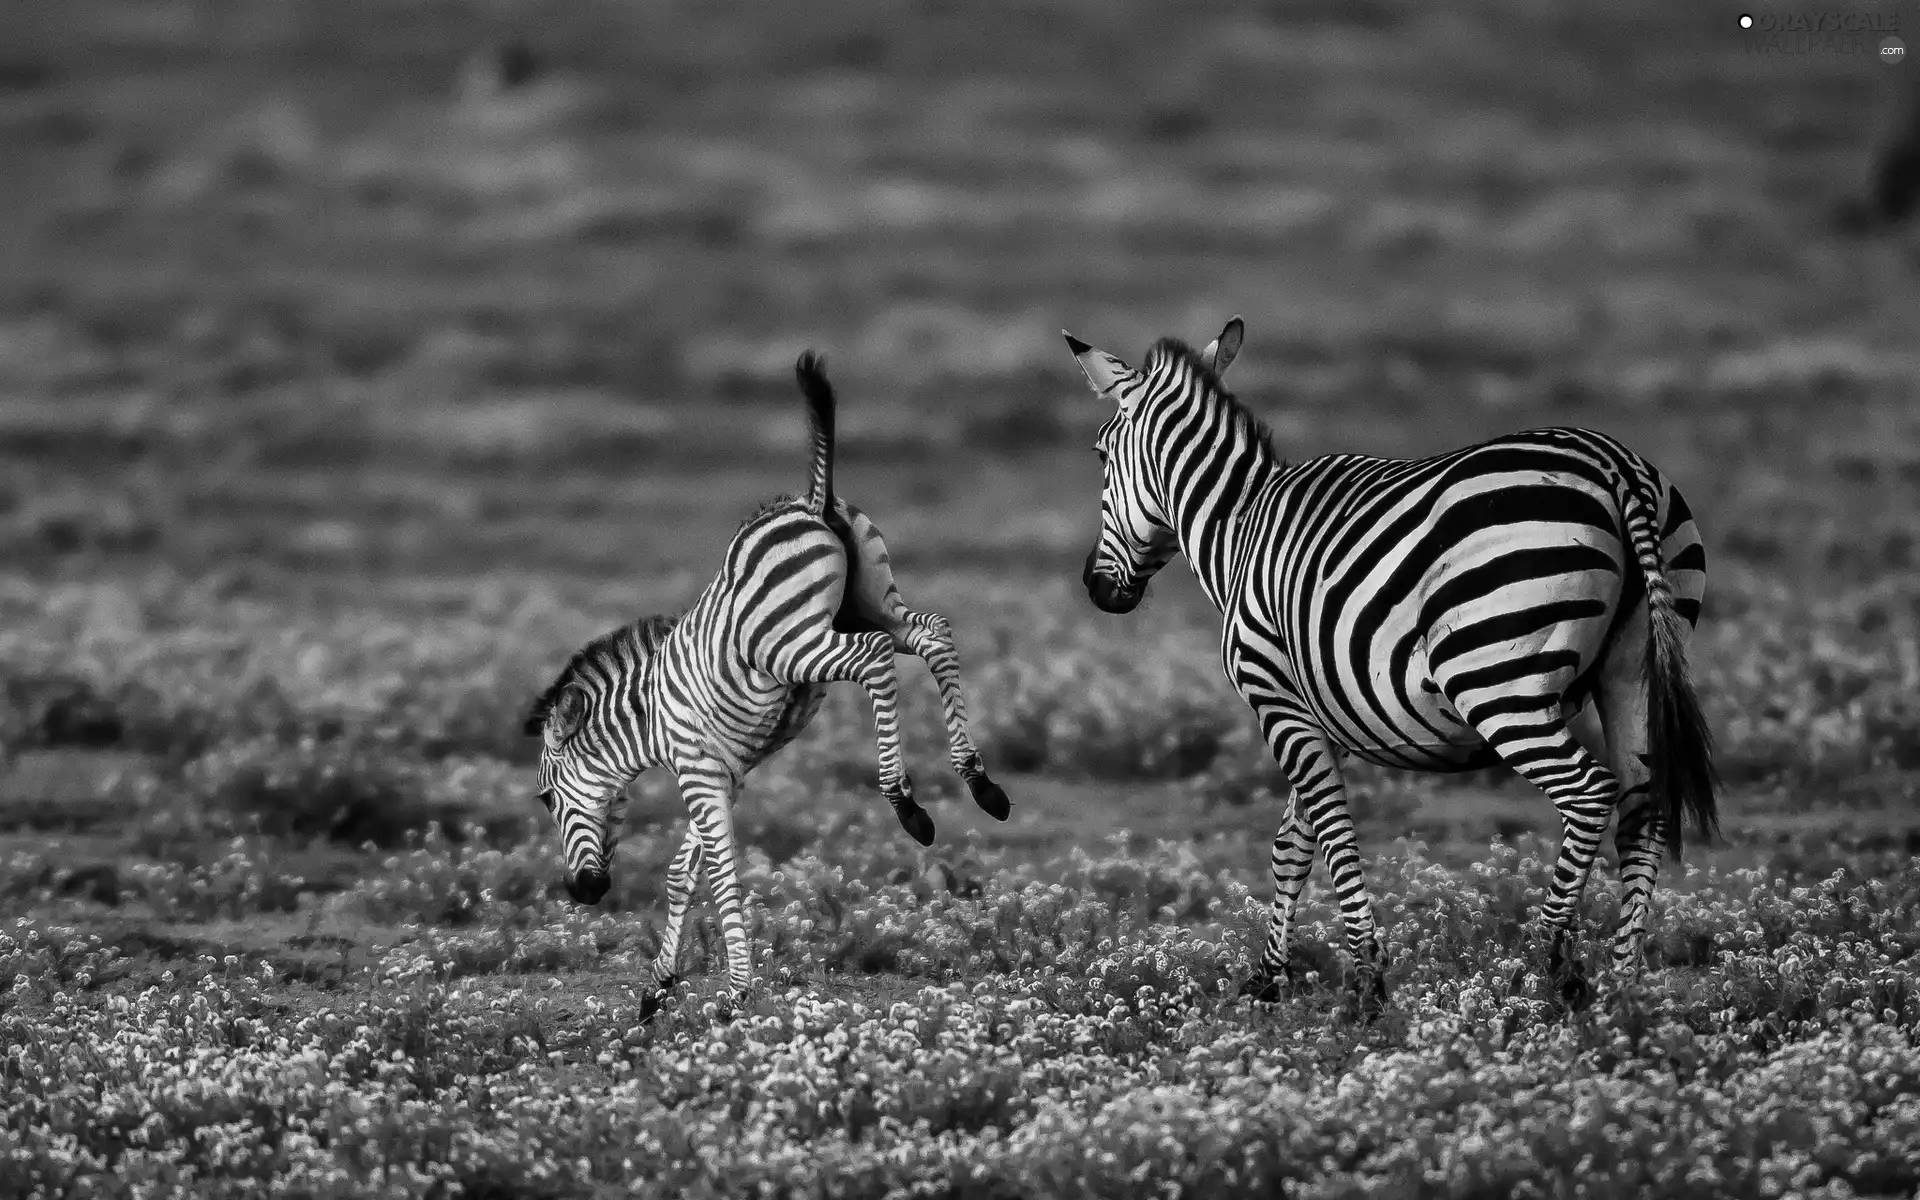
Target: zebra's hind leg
pixel 1292 863
pixel 1535 740
pixel 1622 701
pixel 865 659
pixel 1637 840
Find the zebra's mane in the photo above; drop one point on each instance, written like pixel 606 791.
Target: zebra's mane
pixel 640 637
pixel 1171 350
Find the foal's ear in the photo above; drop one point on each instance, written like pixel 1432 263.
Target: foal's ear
pixel 1106 375
pixel 1220 352
pixel 569 712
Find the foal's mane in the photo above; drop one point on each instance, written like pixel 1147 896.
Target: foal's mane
pixel 639 638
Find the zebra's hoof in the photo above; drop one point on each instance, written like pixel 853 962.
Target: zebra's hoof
pixel 1574 989
pixel 1624 972
pixel 1569 980
pixel 914 820
pixel 1368 995
pixel 990 796
pixel 654 1001
pixel 1263 988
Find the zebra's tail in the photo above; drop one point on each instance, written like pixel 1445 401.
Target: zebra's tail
pixel 811 371
pixel 1680 747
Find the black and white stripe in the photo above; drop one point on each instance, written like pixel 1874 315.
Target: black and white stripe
pixel 804 598
pixel 1436 614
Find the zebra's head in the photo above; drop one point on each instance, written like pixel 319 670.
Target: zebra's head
pixel 592 724
pixel 1136 536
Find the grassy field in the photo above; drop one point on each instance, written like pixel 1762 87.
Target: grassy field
pixel 340 400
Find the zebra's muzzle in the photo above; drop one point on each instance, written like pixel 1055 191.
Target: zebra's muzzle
pixel 1110 598
pixel 1107 595
pixel 586 887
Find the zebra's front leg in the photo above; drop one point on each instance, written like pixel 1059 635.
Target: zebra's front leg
pixel 1312 766
pixel 1292 863
pixel 867 659
pixel 683 879
pixel 929 637
pixel 708 791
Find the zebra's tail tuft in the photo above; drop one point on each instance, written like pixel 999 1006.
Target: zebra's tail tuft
pixel 811 371
pixel 1680 746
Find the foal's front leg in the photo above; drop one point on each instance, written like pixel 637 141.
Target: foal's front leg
pixel 708 791
pixel 683 879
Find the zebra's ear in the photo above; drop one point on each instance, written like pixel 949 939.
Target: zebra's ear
pixel 1221 351
pixel 1105 373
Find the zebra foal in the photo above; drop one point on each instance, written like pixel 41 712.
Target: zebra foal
pixel 1437 614
pixel 804 598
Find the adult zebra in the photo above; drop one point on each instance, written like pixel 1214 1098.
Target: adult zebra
pixel 805 597
pixel 1436 614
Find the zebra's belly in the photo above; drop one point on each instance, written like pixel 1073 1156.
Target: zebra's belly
pixel 1426 734
pixel 1425 738
pixel 1405 723
pixel 1472 753
pixel 783 718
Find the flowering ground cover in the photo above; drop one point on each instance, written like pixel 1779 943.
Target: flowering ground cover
pixel 332 957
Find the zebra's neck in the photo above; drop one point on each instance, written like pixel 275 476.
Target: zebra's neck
pixel 1209 483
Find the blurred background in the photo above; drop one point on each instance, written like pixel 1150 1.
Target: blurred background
pixel 358 358
pixel 363 240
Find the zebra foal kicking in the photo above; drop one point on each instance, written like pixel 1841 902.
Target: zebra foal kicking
pixel 1437 614
pixel 804 598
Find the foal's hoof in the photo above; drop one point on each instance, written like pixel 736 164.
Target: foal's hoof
pixel 1263 988
pixel 913 819
pixel 730 1003
pixel 990 796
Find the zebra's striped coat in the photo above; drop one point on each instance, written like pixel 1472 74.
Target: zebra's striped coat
pixel 804 598
pixel 1437 614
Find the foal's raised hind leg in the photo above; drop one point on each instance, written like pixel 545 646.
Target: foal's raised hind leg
pixel 928 637
pixel 865 659
pixel 874 599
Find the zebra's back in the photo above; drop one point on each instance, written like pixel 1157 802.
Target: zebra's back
pixel 1401 592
